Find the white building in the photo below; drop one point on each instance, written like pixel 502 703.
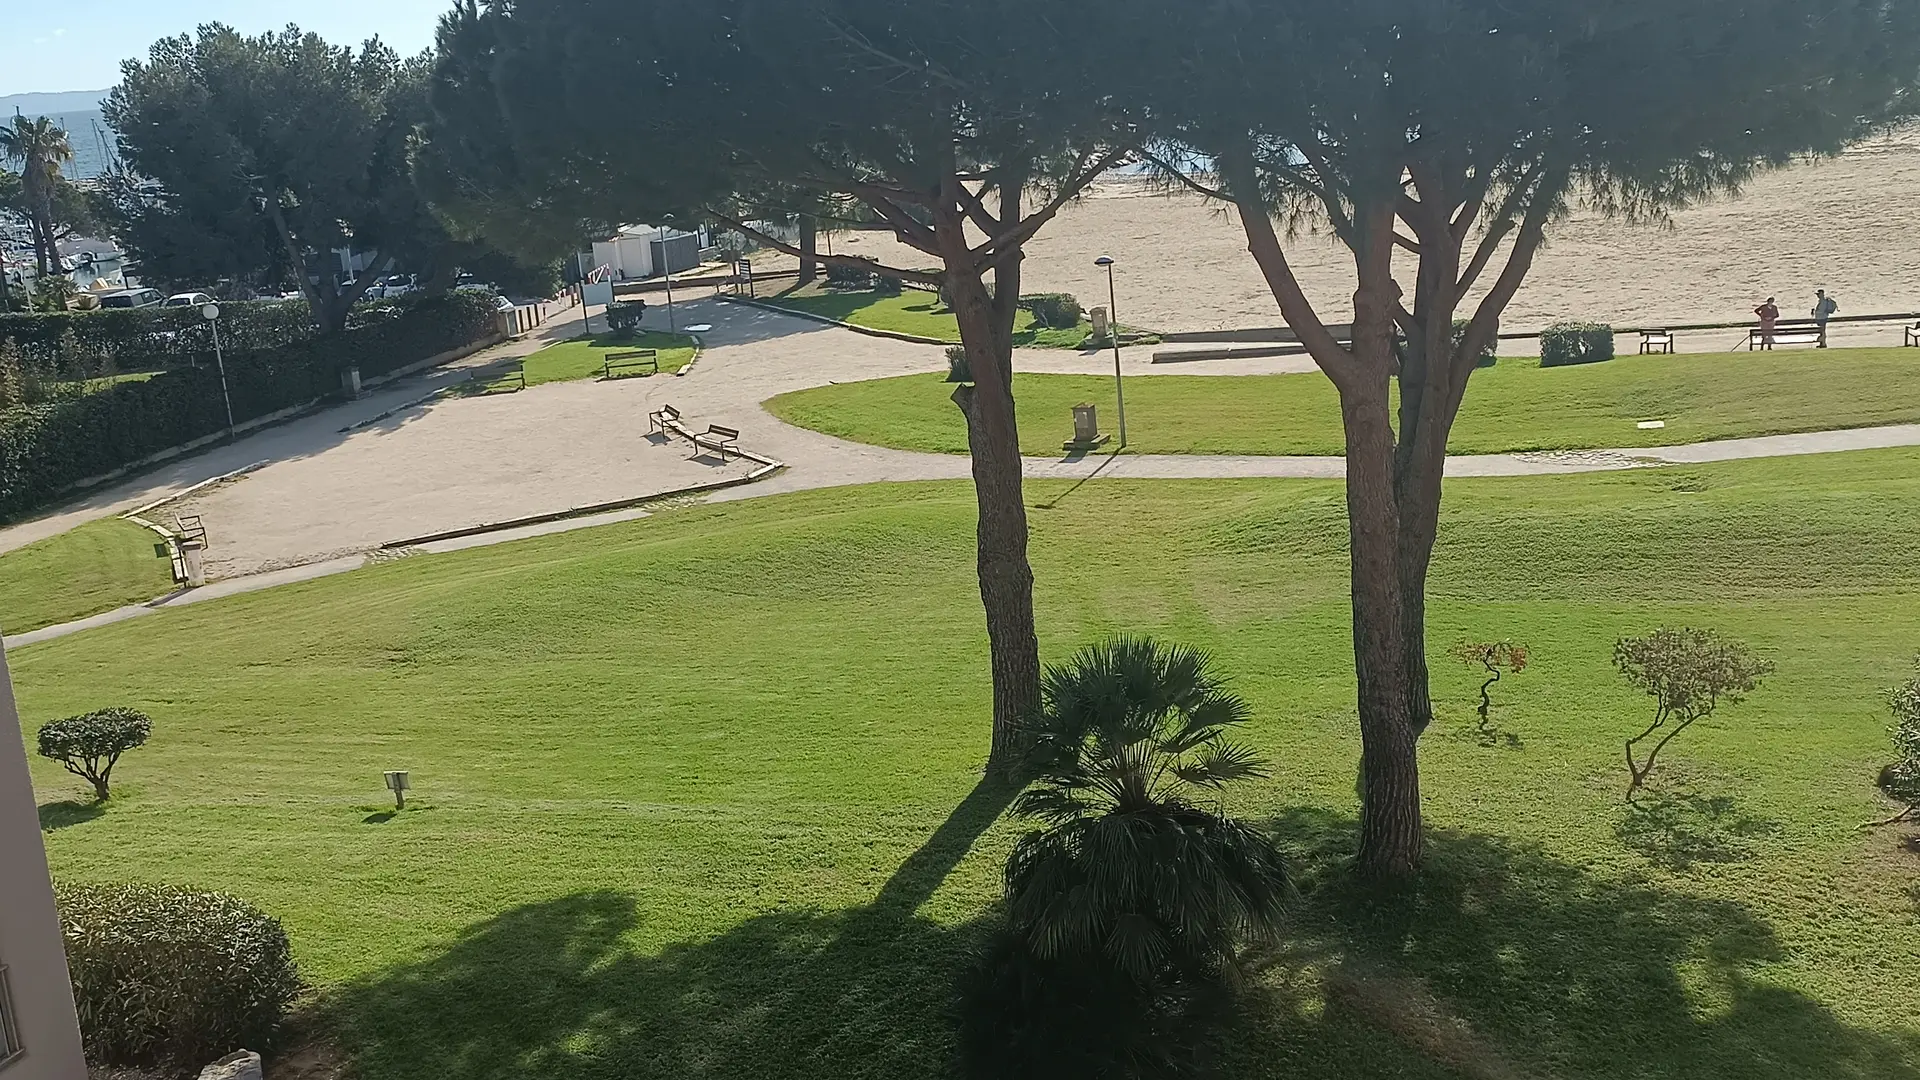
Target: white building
pixel 642 251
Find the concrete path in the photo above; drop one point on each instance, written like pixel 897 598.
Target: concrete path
pixel 751 354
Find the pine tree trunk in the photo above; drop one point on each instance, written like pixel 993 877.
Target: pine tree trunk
pixel 1006 577
pixel 809 249
pixel 1390 831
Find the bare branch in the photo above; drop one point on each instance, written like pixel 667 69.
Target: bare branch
pixel 1185 179
pixel 1070 190
pixel 1503 223
pixel 1410 245
pixel 1333 358
pixel 977 211
pixel 1486 317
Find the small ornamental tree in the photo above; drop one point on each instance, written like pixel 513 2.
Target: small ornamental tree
pixel 1495 657
pixel 1901 779
pixel 1688 673
pixel 90 745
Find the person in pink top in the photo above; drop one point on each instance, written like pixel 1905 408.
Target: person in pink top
pixel 1769 314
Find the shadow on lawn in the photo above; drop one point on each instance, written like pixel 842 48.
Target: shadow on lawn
pixel 59 815
pixel 552 990
pixel 1583 976
pixel 1574 975
pixel 1676 830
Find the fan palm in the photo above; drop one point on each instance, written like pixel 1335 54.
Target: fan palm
pixel 1135 861
pixel 39 147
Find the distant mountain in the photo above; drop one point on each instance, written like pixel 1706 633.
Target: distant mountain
pixel 47 104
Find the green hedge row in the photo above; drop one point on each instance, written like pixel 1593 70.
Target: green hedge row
pixel 1575 342
pixel 46 448
pixel 142 339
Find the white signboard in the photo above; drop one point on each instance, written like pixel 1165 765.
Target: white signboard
pixel 597 292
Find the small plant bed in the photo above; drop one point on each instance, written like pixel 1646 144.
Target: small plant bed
pixel 96 567
pixel 1514 406
pixel 918 312
pixel 587 358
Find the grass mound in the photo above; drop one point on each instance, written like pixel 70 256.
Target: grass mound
pixel 636 851
pixel 101 565
pixel 1514 406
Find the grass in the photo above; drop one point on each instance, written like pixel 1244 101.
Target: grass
pixel 914 311
pixel 1514 406
pixel 99 566
pixel 633 850
pixel 585 358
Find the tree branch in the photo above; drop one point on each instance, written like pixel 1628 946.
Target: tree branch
pixel 977 211
pixel 921 276
pixel 1486 316
pixel 1503 224
pixel 1410 245
pixel 1167 167
pixel 990 251
pixel 1336 360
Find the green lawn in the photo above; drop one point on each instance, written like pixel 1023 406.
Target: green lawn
pixel 586 358
pixel 634 850
pixel 100 565
pixel 1516 405
pixel 917 312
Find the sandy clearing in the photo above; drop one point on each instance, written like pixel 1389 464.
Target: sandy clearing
pixel 1849 224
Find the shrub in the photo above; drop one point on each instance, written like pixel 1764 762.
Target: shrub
pixel 89 745
pixel 170 976
pixel 623 317
pixel 1688 673
pixel 1901 779
pixel 1573 342
pixel 1487 355
pixel 959 368
pixel 885 285
pixel 1055 311
pixel 846 276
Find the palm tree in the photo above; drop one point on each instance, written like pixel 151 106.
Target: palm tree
pixel 1135 863
pixel 39 147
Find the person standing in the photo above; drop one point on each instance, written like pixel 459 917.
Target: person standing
pixel 1769 313
pixel 1823 309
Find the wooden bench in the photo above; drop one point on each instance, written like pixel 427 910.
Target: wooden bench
pixel 1656 341
pixel 720 440
pixel 658 419
pixel 1913 335
pixel 515 377
pixel 630 362
pixel 1784 334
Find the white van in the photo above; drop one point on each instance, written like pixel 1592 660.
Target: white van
pixel 129 298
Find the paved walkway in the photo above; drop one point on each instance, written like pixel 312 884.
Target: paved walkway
pixel 752 354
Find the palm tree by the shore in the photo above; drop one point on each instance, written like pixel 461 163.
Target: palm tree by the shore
pixel 39 147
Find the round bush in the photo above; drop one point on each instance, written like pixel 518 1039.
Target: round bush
pixel 1055 311
pixel 164 975
pixel 1572 342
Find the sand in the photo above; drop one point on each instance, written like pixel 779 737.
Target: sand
pixel 1850 225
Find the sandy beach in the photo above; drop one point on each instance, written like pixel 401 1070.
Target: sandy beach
pixel 1849 224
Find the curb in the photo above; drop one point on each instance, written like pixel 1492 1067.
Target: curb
pixel 137 512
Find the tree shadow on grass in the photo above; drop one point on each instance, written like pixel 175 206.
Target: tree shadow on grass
pixel 59 815
pixel 552 989
pixel 1676 830
pixel 1584 976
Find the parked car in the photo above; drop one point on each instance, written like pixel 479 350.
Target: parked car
pixel 131 298
pixel 188 299
pixel 393 285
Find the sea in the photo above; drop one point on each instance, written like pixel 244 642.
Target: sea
pixel 93 146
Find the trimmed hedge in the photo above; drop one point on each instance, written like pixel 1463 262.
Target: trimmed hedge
pixel 1575 342
pixel 46 448
pixel 170 976
pixel 1056 311
pixel 142 339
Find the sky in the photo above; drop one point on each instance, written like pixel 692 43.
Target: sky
pixel 55 47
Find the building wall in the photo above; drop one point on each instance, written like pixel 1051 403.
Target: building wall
pixel 30 944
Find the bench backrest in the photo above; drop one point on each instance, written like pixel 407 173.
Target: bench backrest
pixel 633 354
pixel 716 429
pixel 669 412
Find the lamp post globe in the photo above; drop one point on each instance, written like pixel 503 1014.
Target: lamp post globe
pixel 209 312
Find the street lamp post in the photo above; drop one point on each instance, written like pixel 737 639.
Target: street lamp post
pixel 1113 334
pixel 211 313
